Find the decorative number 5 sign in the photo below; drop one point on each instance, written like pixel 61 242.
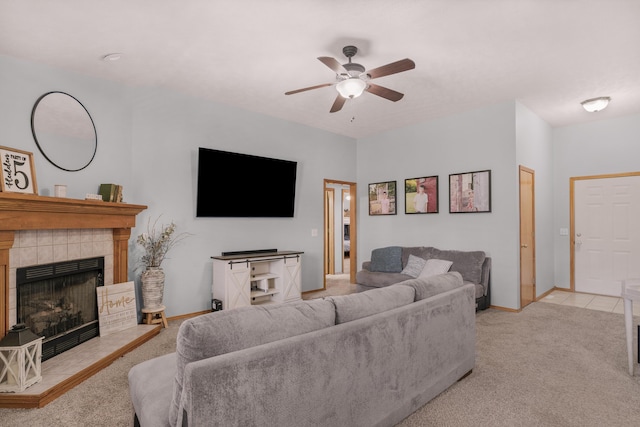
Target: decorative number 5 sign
pixel 17 170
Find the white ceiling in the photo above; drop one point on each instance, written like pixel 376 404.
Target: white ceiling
pixel 547 54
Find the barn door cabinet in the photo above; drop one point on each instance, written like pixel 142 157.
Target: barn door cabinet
pixel 244 279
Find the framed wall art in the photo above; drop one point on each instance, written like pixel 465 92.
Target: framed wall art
pixel 421 195
pixel 470 192
pixel 382 198
pixel 18 171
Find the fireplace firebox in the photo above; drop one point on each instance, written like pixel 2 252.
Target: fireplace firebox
pixel 58 302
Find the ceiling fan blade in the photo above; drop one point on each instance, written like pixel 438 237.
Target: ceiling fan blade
pixel 393 68
pixel 337 104
pixel 333 64
pixel 291 92
pixel 384 92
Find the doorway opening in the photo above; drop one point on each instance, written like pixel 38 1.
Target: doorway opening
pixel 527 237
pixel 340 230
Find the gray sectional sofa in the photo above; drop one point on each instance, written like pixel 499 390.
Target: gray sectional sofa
pixel 365 359
pixel 390 265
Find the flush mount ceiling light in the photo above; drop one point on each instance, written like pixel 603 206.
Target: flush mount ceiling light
pixel 112 57
pixel 351 87
pixel 596 104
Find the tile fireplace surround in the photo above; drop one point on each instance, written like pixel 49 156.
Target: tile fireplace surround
pixel 40 230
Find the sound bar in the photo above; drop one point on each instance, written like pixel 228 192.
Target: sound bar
pixel 253 252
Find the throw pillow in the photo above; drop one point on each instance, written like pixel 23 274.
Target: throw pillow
pixel 386 260
pixel 434 267
pixel 467 263
pixel 414 266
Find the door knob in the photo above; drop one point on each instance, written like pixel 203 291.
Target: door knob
pixel 524 246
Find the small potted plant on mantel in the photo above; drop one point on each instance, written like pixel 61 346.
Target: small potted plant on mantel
pixel 156 242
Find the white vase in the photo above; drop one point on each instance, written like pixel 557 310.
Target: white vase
pixel 152 287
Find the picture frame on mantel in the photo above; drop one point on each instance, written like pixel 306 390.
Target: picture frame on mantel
pixel 17 171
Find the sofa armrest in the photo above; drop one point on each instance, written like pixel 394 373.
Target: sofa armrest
pixel 486 274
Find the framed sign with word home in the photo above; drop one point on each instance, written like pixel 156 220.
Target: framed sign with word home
pixel 116 307
pixel 18 171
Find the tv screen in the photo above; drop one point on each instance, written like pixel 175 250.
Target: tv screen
pixel 242 185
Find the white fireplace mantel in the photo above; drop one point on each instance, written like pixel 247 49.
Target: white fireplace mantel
pixel 32 212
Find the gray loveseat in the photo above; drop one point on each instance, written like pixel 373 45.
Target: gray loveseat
pixel 365 359
pixel 389 265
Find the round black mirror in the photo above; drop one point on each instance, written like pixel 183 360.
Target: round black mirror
pixel 64 131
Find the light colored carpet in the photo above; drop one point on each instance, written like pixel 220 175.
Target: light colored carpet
pixel 548 365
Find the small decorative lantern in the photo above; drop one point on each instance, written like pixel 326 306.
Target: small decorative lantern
pixel 20 359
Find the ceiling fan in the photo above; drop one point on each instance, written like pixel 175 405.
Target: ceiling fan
pixel 352 79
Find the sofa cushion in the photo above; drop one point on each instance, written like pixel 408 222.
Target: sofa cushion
pixel 414 266
pixel 424 252
pixel 426 287
pixel 386 260
pixel 151 388
pixel 379 280
pixel 433 267
pixel 226 331
pixel 467 263
pixel 355 306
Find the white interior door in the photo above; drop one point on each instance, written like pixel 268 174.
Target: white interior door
pixel 606 233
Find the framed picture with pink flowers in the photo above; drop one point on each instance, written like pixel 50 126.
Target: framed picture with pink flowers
pixel 470 192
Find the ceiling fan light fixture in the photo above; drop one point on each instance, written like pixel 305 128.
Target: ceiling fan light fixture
pixel 351 88
pixel 596 104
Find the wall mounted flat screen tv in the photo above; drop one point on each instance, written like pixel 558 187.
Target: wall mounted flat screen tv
pixel 243 185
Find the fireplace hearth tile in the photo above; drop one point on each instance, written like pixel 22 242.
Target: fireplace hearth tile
pixel 45 238
pixel 86 236
pixel 28 256
pixel 68 369
pixel 60 253
pixel 27 238
pixel 74 235
pixel 60 237
pixel 86 249
pixel 45 254
pixel 73 251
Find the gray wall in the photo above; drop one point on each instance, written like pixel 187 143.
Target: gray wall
pixel 534 150
pixel 476 140
pixel 22 83
pixel 167 131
